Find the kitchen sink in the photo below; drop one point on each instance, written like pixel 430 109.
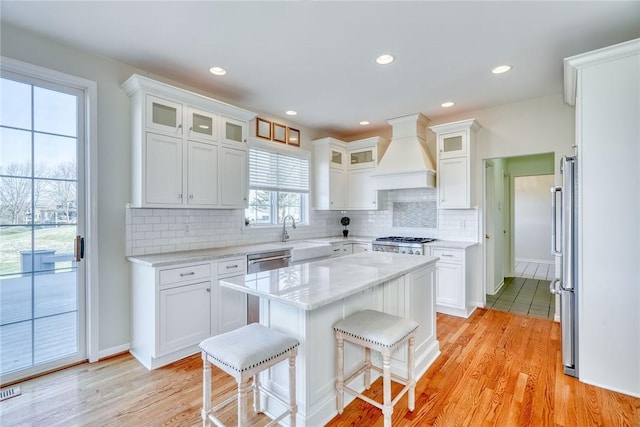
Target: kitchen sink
pixel 303 250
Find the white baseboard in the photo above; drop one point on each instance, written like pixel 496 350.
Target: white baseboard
pixel 537 261
pixel 109 352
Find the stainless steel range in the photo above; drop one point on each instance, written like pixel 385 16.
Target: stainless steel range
pixel 402 245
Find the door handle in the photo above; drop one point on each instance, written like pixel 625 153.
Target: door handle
pixel 554 219
pixel 553 288
pixel 79 248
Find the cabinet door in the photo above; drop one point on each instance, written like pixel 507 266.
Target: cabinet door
pixel 347 249
pixel 453 185
pixel 164 115
pixel 202 172
pixel 336 250
pixel 453 144
pixel 362 195
pixel 337 189
pixel 360 247
pixel 234 179
pixel 449 285
pixel 202 125
pixel 233 131
pixel 162 170
pixel 231 309
pixel 364 158
pixel 338 158
pixel 184 316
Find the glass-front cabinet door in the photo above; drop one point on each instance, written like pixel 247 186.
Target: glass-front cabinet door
pixel 453 144
pixel 362 158
pixel 337 158
pixel 233 131
pixel 164 115
pixel 203 126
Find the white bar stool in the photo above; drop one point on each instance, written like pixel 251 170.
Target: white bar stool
pixel 243 354
pixel 384 333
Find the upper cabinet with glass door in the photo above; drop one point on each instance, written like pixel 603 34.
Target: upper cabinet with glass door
pixel 182 121
pixel 454 144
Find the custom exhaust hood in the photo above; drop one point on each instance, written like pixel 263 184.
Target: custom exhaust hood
pixel 406 163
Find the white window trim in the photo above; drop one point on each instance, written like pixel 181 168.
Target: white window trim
pixel 90 89
pixel 286 150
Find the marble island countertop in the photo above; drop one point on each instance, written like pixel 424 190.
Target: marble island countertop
pixel 313 285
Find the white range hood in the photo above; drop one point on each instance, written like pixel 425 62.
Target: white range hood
pixel 406 163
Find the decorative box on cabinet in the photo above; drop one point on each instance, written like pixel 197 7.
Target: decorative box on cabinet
pixel 170 311
pixel 456 163
pixel 180 142
pixel 455 286
pixel 343 174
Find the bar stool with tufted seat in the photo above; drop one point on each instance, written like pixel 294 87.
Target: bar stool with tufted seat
pixel 384 333
pixel 243 354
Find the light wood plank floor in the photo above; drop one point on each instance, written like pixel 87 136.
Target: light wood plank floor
pixel 496 369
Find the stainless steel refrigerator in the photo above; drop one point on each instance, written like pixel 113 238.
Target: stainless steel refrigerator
pixel 564 245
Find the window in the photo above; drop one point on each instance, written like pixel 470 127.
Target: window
pixel 278 186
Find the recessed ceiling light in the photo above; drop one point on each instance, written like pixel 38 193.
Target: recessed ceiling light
pixel 364 122
pixel 385 59
pixel 218 71
pixel 501 69
pixel 291 113
pixel 447 104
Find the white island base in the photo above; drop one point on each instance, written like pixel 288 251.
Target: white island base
pixel 409 293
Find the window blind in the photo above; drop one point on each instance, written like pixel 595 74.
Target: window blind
pixel 272 171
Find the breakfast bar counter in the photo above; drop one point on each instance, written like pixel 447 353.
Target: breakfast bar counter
pixel 306 300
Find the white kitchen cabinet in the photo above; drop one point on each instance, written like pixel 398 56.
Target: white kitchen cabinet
pixel 454 284
pixel 170 311
pixel 343 174
pixel 234 178
pixel 234 131
pixel 340 249
pixel 172 166
pixel 230 306
pixel 360 247
pixel 202 175
pixel 183 316
pixel 456 160
pixel 162 169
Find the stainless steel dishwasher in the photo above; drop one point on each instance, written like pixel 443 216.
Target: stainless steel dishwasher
pixel 263 262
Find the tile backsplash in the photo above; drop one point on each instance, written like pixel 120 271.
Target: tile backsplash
pixel 404 213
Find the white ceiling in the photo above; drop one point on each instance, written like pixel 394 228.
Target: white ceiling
pixel 317 57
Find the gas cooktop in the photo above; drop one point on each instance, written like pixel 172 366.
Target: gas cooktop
pixel 398 239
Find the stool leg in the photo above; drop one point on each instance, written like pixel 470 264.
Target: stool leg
pixel 256 394
pixel 292 387
pixel 367 368
pixel 412 382
pixel 243 390
pixel 340 368
pixel 206 389
pixel 387 407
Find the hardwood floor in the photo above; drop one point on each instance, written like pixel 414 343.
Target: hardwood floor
pixel 496 369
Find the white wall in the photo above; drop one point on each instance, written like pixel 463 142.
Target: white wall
pixel 533 218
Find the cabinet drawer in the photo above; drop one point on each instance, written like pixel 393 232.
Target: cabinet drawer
pixel 232 266
pixel 184 274
pixel 450 255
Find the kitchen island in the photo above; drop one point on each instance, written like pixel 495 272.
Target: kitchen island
pixel 305 301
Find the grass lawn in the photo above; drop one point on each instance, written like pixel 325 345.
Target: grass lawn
pixel 14 239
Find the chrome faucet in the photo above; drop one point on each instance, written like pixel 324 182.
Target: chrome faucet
pixel 285 235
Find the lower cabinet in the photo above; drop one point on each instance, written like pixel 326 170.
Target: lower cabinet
pixel 360 247
pixel 174 308
pixel 230 306
pixel 455 291
pixel 184 316
pixel 339 249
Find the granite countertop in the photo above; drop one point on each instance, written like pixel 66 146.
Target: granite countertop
pixel 313 285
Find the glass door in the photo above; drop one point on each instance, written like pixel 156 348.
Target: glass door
pixel 42 286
